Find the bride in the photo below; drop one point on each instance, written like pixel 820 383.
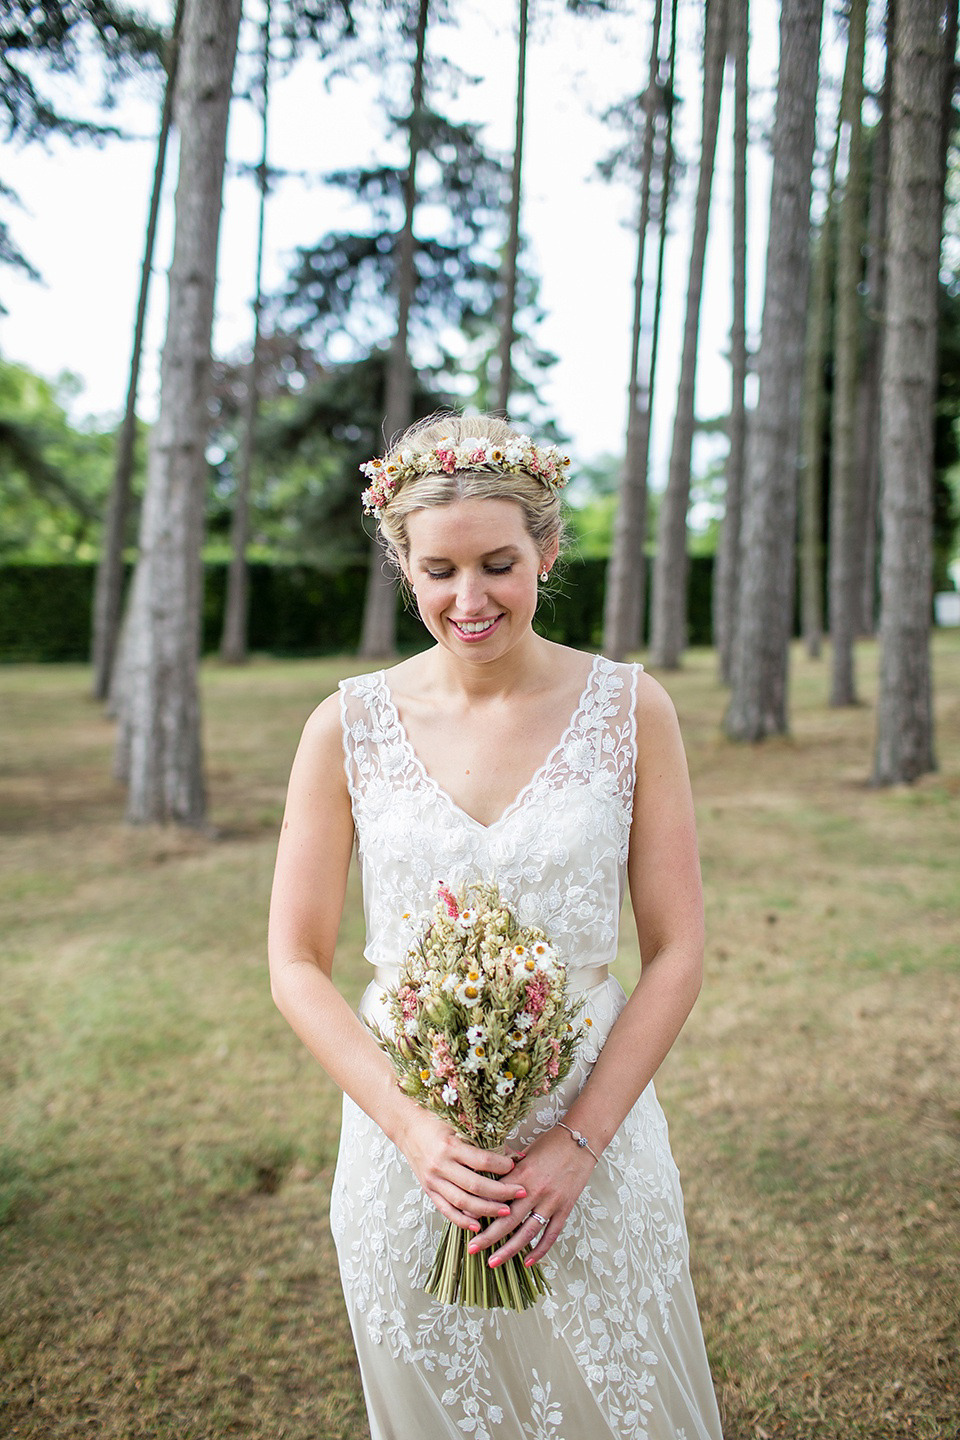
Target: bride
pixel 497 755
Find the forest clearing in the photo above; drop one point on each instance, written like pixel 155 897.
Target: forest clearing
pixel 167 1267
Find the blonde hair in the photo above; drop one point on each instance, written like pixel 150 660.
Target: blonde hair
pixel 540 504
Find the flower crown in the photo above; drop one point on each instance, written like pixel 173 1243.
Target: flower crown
pixel 514 457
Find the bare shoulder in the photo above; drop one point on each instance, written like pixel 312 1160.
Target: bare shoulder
pixel 319 758
pixel 658 729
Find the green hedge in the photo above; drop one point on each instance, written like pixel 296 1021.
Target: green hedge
pixel 294 610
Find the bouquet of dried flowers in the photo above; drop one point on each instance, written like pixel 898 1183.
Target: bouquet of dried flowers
pixel 482 1026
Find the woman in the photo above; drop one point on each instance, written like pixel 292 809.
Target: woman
pixel 498 755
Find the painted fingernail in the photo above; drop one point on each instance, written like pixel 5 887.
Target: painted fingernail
pixel 472 1249
pixel 521 1193
pixel 503 1211
pixel 529 1261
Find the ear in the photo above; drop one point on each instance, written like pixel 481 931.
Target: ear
pixel 548 556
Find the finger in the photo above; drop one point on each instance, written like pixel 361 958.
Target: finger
pixel 525 1238
pixel 475 1207
pixel 490 1160
pixel 519 1227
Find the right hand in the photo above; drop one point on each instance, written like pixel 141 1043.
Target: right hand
pixel 451 1171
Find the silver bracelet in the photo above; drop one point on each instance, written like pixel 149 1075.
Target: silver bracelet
pixel 581 1140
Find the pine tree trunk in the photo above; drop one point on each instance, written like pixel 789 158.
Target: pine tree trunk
pixel 846 502
pixel 162 702
pixel 623 597
pixel 726 573
pixel 378 638
pixel 108 591
pixel 233 641
pixel 812 424
pixel 508 317
pixel 669 600
pixel 758 703
pixel 905 745
pixel 868 398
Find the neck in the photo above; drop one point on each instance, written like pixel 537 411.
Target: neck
pixel 526 667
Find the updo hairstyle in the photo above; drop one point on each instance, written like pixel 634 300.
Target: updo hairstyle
pixel 540 505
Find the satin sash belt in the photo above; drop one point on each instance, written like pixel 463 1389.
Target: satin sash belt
pixel 388 977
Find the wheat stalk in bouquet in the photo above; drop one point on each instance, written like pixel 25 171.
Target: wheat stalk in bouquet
pixel 482 1026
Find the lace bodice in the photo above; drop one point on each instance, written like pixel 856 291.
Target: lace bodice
pixel 558 852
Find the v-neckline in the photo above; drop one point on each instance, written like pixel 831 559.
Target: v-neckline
pixel 525 790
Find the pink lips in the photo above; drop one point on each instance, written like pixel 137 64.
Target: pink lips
pixel 472 636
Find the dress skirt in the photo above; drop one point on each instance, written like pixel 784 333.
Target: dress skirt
pixel 614 1352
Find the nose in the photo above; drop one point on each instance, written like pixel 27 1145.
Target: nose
pixel 471 593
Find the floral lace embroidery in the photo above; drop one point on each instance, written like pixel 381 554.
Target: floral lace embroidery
pixel 559 855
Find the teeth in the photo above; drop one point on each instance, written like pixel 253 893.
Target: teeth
pixel 473 627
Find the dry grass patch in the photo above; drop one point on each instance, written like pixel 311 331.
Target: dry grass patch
pixel 167 1152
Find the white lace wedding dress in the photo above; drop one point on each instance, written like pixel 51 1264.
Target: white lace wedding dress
pixel 616 1350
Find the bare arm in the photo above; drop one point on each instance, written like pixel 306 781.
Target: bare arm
pixel 306 905
pixel 665 890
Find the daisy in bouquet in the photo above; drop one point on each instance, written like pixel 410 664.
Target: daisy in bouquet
pixel 482 1026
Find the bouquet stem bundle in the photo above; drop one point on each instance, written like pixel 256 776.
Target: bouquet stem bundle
pixel 459 1278
pixel 482 1026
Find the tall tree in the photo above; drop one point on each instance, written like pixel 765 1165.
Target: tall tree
pixel 625 580
pixel 512 250
pixel 161 713
pixel 108 590
pixel 868 393
pixel 668 603
pixel 923 75
pixel 758 702
pixel 846 497
pixel 726 570
pixel 812 432
pixel 379 634
pixel 233 641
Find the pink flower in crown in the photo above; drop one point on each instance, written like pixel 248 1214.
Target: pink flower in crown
pixel 448 461
pixel 453 909
pixel 478 456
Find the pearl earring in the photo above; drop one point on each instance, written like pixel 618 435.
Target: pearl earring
pixel 544 573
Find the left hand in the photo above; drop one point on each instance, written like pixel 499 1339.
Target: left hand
pixel 554 1173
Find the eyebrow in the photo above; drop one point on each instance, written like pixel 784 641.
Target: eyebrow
pixel 488 555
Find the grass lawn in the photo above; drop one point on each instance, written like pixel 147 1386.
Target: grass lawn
pixel 166 1146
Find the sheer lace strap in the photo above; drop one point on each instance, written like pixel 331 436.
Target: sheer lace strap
pixel 358 718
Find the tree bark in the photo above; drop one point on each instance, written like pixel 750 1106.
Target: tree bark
pixel 868 398
pixel 108 591
pixel 726 574
pixel 508 317
pixel 162 703
pixel 758 703
pixel 846 499
pixel 905 742
pixel 623 596
pixel 669 601
pixel 233 641
pixel 378 638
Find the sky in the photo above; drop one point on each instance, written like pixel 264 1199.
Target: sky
pixel 84 212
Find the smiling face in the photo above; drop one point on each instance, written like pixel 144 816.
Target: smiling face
pixel 473 567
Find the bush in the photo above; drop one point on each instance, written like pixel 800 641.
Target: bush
pixel 45 610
